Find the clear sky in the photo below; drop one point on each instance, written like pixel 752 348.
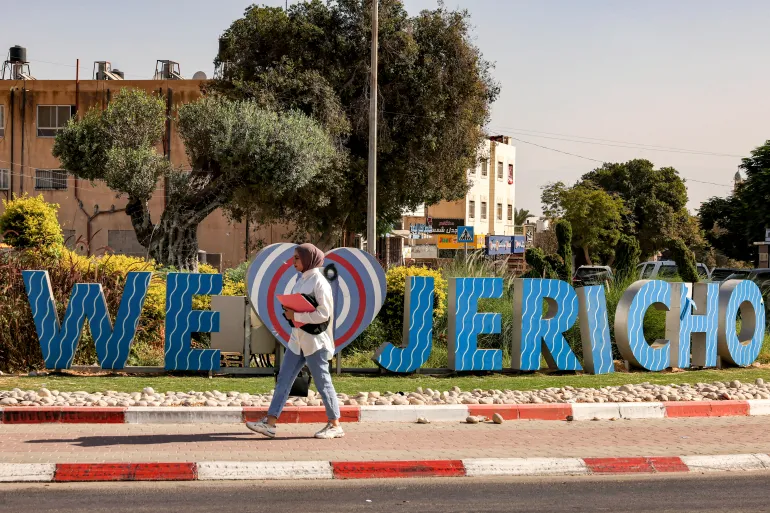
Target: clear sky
pixel 687 74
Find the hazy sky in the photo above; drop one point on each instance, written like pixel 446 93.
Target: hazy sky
pixel 687 74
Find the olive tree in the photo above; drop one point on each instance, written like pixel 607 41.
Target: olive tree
pixel 233 148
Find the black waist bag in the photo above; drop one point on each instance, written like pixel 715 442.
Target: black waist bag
pixel 313 329
pixel 301 384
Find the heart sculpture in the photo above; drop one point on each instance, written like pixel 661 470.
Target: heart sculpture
pixel 359 290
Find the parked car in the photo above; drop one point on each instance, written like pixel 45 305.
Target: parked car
pixel 759 276
pixel 592 275
pixel 721 274
pixel 667 269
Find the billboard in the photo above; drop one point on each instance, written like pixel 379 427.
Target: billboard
pixel 450 242
pixel 446 226
pixel 519 243
pixel 499 245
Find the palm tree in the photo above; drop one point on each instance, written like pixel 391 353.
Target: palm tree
pixel 520 216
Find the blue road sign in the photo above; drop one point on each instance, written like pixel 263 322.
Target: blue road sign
pixel 465 235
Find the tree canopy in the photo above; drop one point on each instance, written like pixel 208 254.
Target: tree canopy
pixel 596 220
pixel 734 223
pixel 233 147
pixel 435 89
pixel 520 216
pixel 655 200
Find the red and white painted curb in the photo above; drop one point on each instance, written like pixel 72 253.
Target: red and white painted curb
pixel 278 470
pixel 409 413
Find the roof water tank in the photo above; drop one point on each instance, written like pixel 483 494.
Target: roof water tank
pixel 17 54
pixel 118 73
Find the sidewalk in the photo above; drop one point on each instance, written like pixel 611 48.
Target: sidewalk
pixel 98 443
pixel 216 451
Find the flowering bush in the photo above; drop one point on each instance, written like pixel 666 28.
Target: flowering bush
pixel 30 222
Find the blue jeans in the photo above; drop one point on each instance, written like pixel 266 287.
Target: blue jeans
pixel 318 363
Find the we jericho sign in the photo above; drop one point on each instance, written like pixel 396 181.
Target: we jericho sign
pixel 700 318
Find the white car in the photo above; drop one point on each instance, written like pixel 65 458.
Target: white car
pixel 667 269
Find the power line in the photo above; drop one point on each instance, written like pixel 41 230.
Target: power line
pixel 557 151
pixel 534 133
pixel 576 139
pixel 636 146
pixel 90 189
pixel 601 161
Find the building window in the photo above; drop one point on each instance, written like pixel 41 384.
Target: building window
pixel 472 171
pixel 510 212
pixel 499 170
pixel 483 209
pixel 50 179
pixel 510 174
pixel 2 120
pixel 484 171
pixel 499 211
pixel 52 118
pixel 5 179
pixel 471 209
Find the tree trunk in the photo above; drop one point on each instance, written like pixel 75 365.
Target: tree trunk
pixel 587 255
pixel 173 242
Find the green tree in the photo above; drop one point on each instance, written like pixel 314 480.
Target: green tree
pixel 626 257
pixel 685 260
pixel 233 147
pixel 31 223
pixel 596 220
pixel 725 223
pixel 539 264
pixel 734 223
pixel 435 91
pixel 551 199
pixel 564 235
pixel 655 199
pixel 520 216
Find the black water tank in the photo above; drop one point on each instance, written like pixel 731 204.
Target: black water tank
pixel 118 73
pixel 223 43
pixel 17 54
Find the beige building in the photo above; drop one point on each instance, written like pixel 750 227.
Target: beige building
pixel 31 114
pixel 489 204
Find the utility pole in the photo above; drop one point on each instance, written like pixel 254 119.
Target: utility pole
pixel 371 213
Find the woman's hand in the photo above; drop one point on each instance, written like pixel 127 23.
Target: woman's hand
pixel 289 314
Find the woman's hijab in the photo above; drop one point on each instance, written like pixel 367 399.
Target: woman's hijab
pixel 310 256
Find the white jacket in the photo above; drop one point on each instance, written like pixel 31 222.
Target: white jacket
pixel 314 283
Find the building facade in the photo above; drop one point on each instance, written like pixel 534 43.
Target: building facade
pixel 91 215
pixel 488 206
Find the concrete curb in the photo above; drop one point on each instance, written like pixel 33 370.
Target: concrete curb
pixel 286 470
pixel 409 413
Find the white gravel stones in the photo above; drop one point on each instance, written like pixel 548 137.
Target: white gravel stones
pixel 644 392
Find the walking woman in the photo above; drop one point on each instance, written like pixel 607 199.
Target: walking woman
pixel 315 350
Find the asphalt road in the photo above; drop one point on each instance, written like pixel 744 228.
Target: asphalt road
pixel 735 493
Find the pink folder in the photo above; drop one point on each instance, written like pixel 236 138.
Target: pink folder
pixel 296 302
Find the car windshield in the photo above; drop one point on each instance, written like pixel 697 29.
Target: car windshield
pixel 702 271
pixel 590 272
pixel 668 271
pixel 721 274
pixel 760 277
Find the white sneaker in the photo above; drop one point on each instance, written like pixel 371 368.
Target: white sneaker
pixel 330 431
pixel 262 427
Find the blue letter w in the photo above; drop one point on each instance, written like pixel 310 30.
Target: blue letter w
pixel 59 341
